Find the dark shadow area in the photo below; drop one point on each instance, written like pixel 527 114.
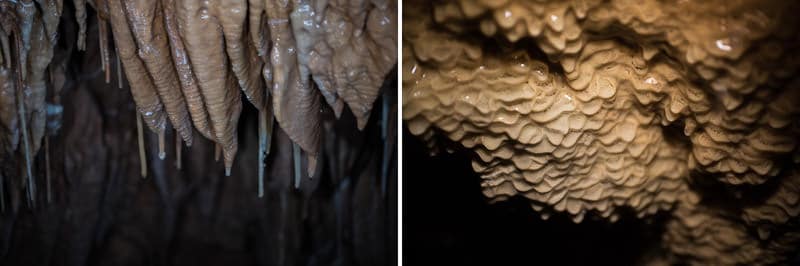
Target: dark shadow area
pixel 447 220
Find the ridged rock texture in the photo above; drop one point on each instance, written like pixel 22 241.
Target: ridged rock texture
pixel 189 57
pixel 97 95
pixel 589 108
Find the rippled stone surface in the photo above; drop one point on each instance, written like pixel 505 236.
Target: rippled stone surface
pixel 593 107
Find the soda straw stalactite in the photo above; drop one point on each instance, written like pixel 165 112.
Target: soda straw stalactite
pixel 296 159
pixel 31 182
pixel 162 145
pixel 104 52
pixel 178 147
pixel 262 150
pixel 119 71
pixel 142 154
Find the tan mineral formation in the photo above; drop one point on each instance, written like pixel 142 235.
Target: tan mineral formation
pixel 588 107
pixel 188 62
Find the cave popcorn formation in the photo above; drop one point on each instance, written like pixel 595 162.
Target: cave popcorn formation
pixel 587 108
pixel 186 62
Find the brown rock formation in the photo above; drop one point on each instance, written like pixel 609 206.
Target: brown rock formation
pixel 588 107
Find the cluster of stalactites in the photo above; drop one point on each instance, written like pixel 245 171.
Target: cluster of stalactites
pixel 27 39
pixel 189 59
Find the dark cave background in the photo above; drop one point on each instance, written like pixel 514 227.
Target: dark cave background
pixel 447 220
pixel 103 213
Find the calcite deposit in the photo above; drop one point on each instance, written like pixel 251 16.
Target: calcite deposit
pixel 590 108
pixel 188 63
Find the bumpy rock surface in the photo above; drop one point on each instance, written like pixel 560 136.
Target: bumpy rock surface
pixel 592 107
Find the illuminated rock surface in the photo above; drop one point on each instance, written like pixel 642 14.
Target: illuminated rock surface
pixel 590 107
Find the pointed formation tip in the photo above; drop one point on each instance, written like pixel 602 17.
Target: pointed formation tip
pixel 296 161
pixel 217 152
pixel 312 165
pixel 161 145
pixel 142 155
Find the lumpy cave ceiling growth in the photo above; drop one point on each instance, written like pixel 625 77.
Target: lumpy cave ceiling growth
pixel 588 108
pixel 90 92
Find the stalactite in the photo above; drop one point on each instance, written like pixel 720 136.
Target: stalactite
pixel 142 153
pixel 80 16
pixel 312 165
pixel 119 71
pixel 162 145
pixel 186 76
pixel 217 152
pixel 262 149
pixel 4 44
pixel 296 160
pixel 31 183
pixel 228 170
pixel 104 52
pixel 270 122
pixel 178 147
